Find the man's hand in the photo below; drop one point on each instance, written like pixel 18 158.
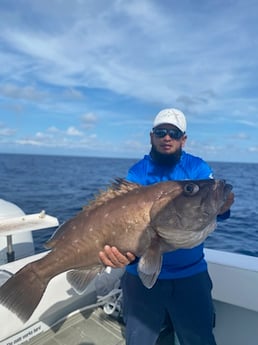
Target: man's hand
pixel 111 256
pixel 228 203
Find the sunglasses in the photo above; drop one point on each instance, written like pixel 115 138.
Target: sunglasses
pixel 173 133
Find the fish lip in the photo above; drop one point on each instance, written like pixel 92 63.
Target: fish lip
pixel 228 188
pixel 222 189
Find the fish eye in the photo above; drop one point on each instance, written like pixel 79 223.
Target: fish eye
pixel 191 188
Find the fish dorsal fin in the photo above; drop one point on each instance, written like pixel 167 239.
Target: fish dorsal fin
pixel 118 188
pixel 149 265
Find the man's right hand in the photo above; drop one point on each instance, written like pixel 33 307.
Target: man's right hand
pixel 111 256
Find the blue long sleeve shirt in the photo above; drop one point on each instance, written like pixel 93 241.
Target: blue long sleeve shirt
pixel 181 262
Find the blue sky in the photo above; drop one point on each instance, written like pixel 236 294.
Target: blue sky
pixel 87 77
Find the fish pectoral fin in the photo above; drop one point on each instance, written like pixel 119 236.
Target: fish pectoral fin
pixel 149 266
pixel 80 279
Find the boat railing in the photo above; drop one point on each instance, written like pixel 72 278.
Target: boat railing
pixel 25 223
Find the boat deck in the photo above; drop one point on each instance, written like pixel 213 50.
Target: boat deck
pixel 89 328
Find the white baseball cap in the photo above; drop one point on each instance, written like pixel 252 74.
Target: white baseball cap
pixel 171 116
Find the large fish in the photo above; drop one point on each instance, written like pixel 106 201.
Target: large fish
pixel 145 220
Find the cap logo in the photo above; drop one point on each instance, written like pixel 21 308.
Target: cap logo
pixel 171 116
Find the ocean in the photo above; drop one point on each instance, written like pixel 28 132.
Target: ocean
pixel 62 185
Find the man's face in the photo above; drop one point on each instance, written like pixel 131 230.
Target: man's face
pixel 163 142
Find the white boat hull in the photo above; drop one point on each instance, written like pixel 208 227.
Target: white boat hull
pixel 58 301
pixel 234 276
pixel 235 292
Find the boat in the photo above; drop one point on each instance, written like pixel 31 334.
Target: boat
pixel 94 317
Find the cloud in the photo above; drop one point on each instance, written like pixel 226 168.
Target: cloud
pixel 241 136
pixel 53 129
pixel 5 131
pixel 94 53
pixel 248 123
pixel 136 146
pixel 21 92
pixel 72 131
pixel 71 70
pixel 73 94
pixel 253 149
pixel 89 120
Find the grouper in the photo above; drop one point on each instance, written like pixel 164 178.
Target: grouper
pixel 145 220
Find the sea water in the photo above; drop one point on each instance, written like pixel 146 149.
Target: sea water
pixel 62 185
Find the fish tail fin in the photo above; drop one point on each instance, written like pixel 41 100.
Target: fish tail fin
pixel 22 292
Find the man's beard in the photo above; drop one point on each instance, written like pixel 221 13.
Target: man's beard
pixel 166 159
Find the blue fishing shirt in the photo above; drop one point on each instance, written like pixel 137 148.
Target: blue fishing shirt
pixel 181 262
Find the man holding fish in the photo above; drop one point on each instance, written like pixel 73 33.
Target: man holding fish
pixel 162 214
pixel 182 291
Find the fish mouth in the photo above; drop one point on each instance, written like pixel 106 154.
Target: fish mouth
pixel 228 188
pixel 222 187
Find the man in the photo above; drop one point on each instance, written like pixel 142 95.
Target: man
pixel 183 289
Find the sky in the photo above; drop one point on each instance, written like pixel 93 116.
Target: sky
pixel 87 77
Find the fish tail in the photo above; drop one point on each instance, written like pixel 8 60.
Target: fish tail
pixel 22 292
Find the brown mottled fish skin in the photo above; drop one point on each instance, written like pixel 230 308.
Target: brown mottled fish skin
pixel 145 220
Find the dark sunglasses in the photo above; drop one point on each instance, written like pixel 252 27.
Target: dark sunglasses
pixel 173 133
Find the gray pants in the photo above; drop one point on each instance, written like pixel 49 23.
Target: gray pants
pixel 187 301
